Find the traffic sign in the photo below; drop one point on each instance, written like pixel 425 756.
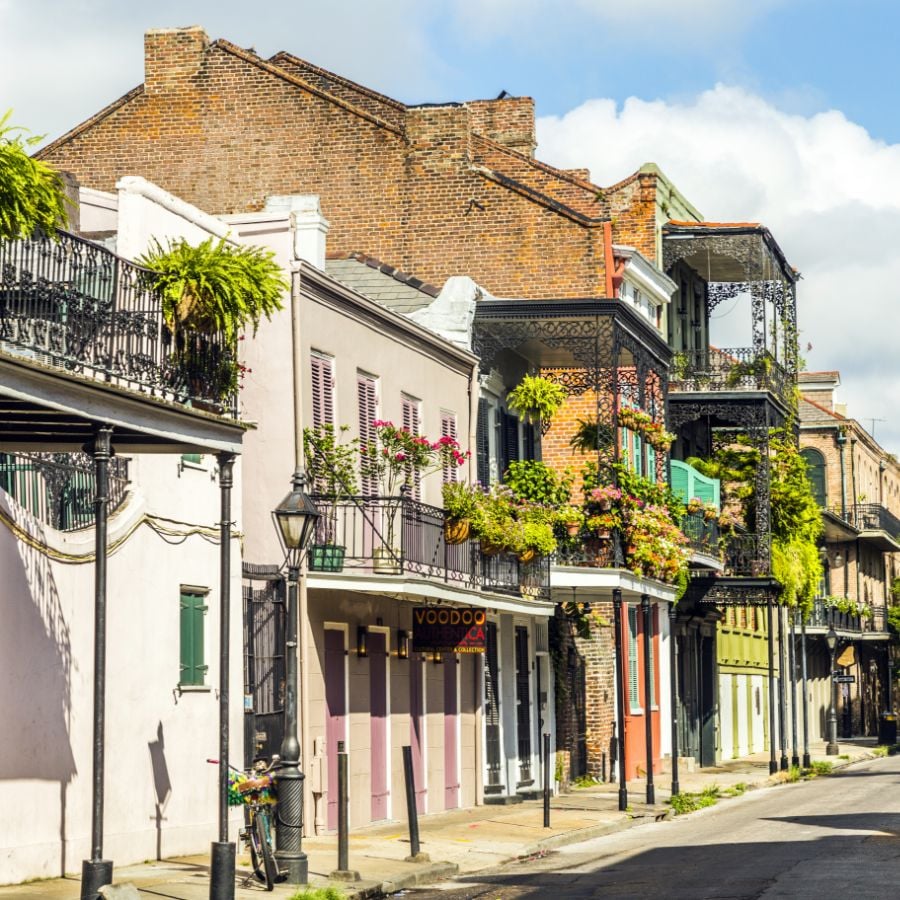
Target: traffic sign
pixel 845 679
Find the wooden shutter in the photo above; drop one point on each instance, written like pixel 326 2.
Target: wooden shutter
pixel 322 390
pixel 509 436
pixel 412 423
pixel 368 413
pixel 482 443
pixel 530 441
pixel 192 612
pixel 634 697
pixel 448 429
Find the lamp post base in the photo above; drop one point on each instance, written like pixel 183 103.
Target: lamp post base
pixel 294 866
pixel 221 871
pixel 832 749
pixel 95 873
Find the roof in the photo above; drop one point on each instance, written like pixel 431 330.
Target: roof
pixel 812 413
pixel 686 223
pixel 384 283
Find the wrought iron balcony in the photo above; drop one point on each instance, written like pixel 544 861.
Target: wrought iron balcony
pixel 873 517
pixel 75 306
pixel 747 555
pixel 593 552
pixel 58 488
pixel 401 536
pixel 702 533
pixel 731 369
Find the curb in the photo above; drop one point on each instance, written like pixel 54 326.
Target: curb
pixel 427 874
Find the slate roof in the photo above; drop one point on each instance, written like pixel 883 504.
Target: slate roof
pixel 383 283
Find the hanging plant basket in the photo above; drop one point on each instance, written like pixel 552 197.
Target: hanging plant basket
pixel 527 555
pixel 456 531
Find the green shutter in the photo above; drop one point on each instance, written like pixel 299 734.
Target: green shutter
pixel 634 699
pixel 679 479
pixel 195 458
pixel 638 456
pixel 192 612
pixel 651 462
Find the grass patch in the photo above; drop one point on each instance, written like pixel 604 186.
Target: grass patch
pixel 820 767
pixel 736 789
pixel 585 781
pixel 881 750
pixel 688 802
pixel 326 893
pixel 844 756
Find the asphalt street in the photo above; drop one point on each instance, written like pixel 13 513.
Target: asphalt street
pixel 832 837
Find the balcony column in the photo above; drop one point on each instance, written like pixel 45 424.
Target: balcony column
pixel 673 684
pixel 620 704
pixel 97 872
pixel 773 763
pixel 806 760
pixel 782 710
pixel 792 662
pixel 647 617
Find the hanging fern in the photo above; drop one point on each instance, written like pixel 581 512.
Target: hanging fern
pixel 216 287
pixel 32 194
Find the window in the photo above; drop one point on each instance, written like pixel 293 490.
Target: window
pixel 412 418
pixel 815 470
pixel 367 397
pixel 322 389
pixel 448 429
pixel 193 620
pixel 634 698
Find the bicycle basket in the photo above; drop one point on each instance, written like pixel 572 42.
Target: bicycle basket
pixel 241 791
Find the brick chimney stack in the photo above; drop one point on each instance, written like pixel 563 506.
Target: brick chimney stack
pixel 172 55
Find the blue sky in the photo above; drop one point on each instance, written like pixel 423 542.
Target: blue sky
pixel 781 111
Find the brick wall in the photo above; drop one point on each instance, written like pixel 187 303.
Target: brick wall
pixel 224 129
pixel 632 207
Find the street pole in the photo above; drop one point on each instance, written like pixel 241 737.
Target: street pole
pixel 673 684
pixel 782 710
pixel 806 759
pixel 792 662
pixel 97 872
pixel 288 778
pixel 773 763
pixel 647 618
pixel 222 852
pixel 831 748
pixel 620 712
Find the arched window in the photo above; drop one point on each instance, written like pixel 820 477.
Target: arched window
pixel 815 469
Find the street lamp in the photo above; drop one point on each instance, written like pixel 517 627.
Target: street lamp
pixel 296 517
pixel 831 748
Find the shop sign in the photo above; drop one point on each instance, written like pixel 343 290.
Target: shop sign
pixel 448 629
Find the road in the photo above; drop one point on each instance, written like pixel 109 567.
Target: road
pixel 832 837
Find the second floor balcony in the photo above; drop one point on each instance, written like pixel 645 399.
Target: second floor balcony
pixel 400 536
pixel 75 307
pixel 825 615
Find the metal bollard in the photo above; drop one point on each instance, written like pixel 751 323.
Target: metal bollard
pixel 412 814
pixel 343 830
pixel 546 780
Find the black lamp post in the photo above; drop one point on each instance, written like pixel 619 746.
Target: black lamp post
pixel 296 517
pixel 831 748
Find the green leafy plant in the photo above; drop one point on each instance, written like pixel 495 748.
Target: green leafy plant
pixel 460 500
pixel 822 767
pixel 736 789
pixel 215 286
pixel 687 802
pixel 536 482
pixel 881 750
pixel 536 399
pixel 316 893
pixel 590 436
pixel 32 193
pixel 331 465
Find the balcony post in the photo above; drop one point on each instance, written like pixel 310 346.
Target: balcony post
pixel 96 871
pixel 673 683
pixel 782 710
pixel 773 763
pixel 620 711
pixel 792 662
pixel 647 617
pixel 806 760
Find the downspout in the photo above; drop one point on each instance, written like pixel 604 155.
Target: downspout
pixel 303 612
pixel 479 663
pixel 609 263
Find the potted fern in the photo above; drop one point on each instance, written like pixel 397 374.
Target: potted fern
pixel 210 293
pixel 536 399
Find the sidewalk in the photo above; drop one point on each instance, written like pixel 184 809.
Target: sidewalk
pixel 457 842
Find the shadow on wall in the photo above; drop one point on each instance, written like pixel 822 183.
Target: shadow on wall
pixel 162 784
pixel 35 666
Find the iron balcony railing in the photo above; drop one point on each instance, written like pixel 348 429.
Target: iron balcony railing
pixel 58 489
pixel 730 369
pixel 593 551
pixel 748 555
pixel 824 615
pixel 873 517
pixel 401 536
pixel 702 533
pixel 73 305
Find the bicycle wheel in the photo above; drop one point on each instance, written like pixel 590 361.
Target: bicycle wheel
pixel 262 859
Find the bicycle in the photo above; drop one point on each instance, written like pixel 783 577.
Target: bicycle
pixel 255 791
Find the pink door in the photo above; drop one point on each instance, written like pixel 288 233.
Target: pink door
pixel 378 723
pixel 417 728
pixel 451 734
pixel 335 713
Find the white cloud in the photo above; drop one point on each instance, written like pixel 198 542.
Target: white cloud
pixel 827 189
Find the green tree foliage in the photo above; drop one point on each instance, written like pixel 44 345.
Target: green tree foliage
pixel 32 194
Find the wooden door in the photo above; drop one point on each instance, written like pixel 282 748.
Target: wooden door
pixel 378 724
pixel 335 713
pixel 417 728
pixel 451 734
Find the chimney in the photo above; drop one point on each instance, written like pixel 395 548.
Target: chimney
pixel 172 55
pixel 438 136
pixel 508 121
pixel 310 226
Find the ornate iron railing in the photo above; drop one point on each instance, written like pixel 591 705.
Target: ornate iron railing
pixel 747 555
pixel 399 535
pixel 58 488
pixel 71 304
pixel 824 615
pixel 873 517
pixel 731 369
pixel 593 552
pixel 702 533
